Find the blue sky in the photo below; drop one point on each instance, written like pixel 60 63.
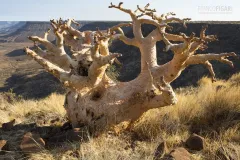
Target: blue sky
pixel 43 10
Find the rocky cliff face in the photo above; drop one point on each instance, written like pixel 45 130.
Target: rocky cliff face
pixel 20 31
pixel 228 34
pixel 6 24
pixel 28 29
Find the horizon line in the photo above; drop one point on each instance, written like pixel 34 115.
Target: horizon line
pixel 113 21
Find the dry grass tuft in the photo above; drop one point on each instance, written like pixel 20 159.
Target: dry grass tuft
pixel 211 110
pixel 25 110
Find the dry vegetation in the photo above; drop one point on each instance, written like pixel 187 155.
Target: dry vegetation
pixel 211 110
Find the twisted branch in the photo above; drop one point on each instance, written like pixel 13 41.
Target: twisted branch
pixel 205 58
pixel 119 6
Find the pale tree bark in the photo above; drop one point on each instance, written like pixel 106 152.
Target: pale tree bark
pixel 96 101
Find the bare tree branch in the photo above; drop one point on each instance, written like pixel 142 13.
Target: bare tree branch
pixel 128 11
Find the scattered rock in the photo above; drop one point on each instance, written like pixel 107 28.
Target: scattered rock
pixel 160 151
pixel 24 127
pixel 32 143
pixel 66 126
pixel 8 126
pixel 75 134
pixel 3 146
pixel 43 131
pixel 195 142
pixel 178 154
pixel 227 153
pixel 54 131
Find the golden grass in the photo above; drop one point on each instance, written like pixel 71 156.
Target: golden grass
pixel 22 110
pixel 211 110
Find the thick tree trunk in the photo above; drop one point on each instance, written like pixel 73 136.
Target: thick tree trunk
pixel 148 53
pixel 113 103
pixel 97 102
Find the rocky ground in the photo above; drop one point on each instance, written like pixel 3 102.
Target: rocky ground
pixel 22 75
pixel 203 125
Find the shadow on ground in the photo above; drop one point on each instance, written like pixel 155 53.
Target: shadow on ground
pixel 19 146
pixel 16 53
pixel 33 86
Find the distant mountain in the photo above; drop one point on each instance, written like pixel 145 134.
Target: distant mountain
pixel 11 28
pixel 21 30
pixel 5 24
pixel 102 25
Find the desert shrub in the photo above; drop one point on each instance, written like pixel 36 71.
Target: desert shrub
pixel 112 72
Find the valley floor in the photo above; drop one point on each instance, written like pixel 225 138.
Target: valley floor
pixel 24 76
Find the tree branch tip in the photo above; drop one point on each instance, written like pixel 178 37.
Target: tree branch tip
pixel 52 21
pixel 192 34
pixel 116 55
pixel 187 19
pixel 170 28
pixel 120 3
pixel 118 62
pixel 214 80
pixel 48 30
pixel 231 54
pixel 204 27
pixel 25 49
pixel 138 8
pixel 128 24
pixel 31 38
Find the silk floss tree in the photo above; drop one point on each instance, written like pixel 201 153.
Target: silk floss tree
pixel 93 98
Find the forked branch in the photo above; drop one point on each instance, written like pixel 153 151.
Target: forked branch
pixel 53 69
pixel 205 58
pixel 207 38
pixel 119 6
